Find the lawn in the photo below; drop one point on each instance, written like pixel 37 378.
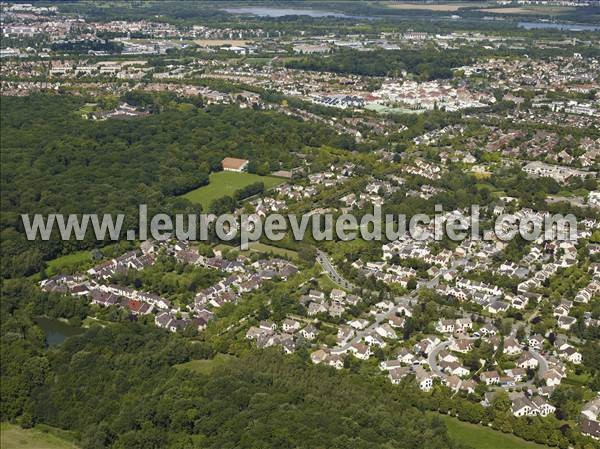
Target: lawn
pixel 64 263
pixel 480 437
pixel 578 379
pixel 258 247
pixel 381 109
pixel 208 365
pixel 87 108
pixel 261 248
pixel 226 183
pixel 40 437
pixel 325 283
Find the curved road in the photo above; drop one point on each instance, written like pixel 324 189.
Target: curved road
pixel 432 360
pixel 542 362
pixel 323 259
pixel 328 266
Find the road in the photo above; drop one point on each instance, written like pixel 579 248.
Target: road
pixel 379 318
pixel 328 266
pixel 433 364
pixel 432 359
pixel 323 259
pixel 406 301
pixel 542 362
pixel 333 274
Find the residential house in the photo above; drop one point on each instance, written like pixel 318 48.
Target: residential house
pixel 290 326
pixel 590 428
pixel 511 346
pixel 536 342
pixel 397 374
pixel 461 345
pixel 527 361
pixel 424 378
pixel 386 331
pixel 373 339
pixel 405 356
pixel 490 377
pixel 396 321
pixel 319 356
pixel 234 164
pixel 445 326
pixel 345 334
pixel 314 308
pixel 309 332
pixel 360 351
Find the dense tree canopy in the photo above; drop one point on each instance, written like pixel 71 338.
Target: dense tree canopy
pixel 427 64
pixel 118 386
pixel 115 386
pixel 54 161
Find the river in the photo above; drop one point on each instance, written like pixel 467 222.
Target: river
pixel 558 26
pixel 262 11
pixel 281 12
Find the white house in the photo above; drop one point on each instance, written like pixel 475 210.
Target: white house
pixel 424 379
pixel 490 377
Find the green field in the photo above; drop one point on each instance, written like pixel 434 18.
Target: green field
pixel 63 263
pixel 258 247
pixel 206 366
pixel 325 283
pixel 381 109
pixel 40 437
pixel 226 183
pixel 480 437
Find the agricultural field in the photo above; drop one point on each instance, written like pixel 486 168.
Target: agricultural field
pixel 41 437
pixel 480 437
pixel 226 183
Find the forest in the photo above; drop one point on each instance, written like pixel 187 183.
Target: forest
pixel 427 64
pixel 123 386
pixel 118 386
pixel 55 161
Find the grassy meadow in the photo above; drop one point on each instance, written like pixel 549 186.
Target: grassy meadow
pixel 480 437
pixel 40 437
pixel 226 183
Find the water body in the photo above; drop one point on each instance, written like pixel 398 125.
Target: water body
pixel 281 12
pixel 56 331
pixel 557 26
